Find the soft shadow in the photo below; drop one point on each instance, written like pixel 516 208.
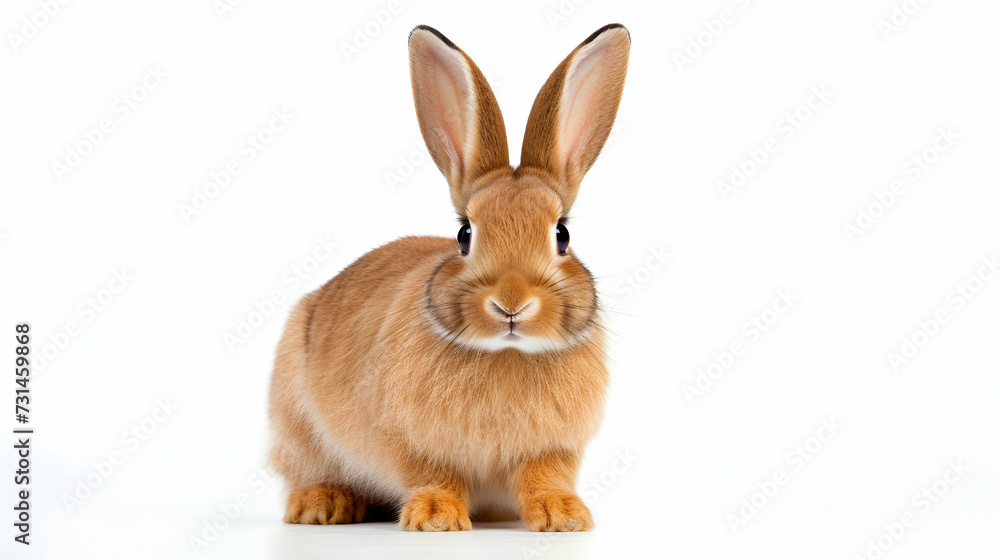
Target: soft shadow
pixel 497 539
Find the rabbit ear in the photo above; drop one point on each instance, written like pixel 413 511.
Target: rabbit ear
pixel 459 116
pixel 575 110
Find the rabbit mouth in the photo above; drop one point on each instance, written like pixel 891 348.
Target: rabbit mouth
pixel 522 342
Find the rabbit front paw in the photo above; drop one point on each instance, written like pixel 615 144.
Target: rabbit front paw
pixel 435 509
pixel 556 511
pixel 323 505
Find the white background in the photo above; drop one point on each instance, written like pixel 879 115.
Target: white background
pixel 682 127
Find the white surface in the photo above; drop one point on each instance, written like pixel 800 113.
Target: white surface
pixel 654 187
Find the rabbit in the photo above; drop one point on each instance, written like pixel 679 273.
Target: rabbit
pixel 439 380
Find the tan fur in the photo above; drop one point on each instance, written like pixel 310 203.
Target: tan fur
pixel 324 505
pixel 563 156
pixel 389 390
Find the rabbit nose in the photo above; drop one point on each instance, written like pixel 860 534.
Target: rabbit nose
pixel 510 312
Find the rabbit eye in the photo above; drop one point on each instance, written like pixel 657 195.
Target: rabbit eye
pixel 464 238
pixel 562 239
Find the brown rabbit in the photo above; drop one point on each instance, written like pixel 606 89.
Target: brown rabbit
pixel 450 381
